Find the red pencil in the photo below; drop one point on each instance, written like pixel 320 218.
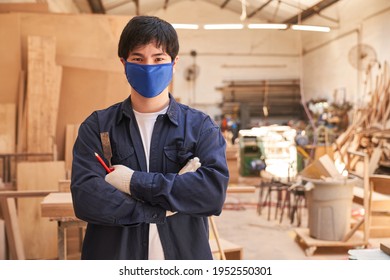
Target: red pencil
pixel 109 170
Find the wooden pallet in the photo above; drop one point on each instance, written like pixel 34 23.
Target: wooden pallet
pixel 311 244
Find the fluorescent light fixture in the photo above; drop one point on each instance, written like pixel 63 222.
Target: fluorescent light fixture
pixel 310 28
pixel 223 26
pixel 185 26
pixel 267 26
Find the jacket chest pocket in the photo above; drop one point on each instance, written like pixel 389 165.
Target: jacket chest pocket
pixel 124 156
pixel 176 157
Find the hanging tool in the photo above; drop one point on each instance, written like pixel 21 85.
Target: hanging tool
pixel 107 153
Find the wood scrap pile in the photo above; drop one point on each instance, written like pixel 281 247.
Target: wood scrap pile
pixel 369 131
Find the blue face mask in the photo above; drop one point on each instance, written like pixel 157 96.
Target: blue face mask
pixel 149 80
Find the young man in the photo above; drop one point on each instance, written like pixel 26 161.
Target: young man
pixel 156 202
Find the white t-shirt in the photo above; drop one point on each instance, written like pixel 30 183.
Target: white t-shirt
pixel 146 123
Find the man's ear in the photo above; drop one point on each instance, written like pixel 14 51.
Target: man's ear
pixel 174 64
pixel 123 61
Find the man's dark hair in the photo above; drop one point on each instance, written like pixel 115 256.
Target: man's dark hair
pixel 142 30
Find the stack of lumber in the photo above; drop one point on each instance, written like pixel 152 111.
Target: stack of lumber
pixel 369 131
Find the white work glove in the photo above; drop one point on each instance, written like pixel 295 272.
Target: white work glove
pixel 191 166
pixel 120 178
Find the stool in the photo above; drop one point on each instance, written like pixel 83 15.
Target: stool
pixel 280 189
pixel 298 193
pixel 286 202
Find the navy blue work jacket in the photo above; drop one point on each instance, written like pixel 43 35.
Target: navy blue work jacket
pixel 118 224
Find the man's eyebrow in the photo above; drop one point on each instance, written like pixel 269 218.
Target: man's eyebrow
pixel 137 54
pixel 158 54
pixel 141 55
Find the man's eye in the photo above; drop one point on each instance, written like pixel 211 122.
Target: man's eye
pixel 136 59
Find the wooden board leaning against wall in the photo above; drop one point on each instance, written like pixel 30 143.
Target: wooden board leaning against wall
pixel 57 77
pixel 92 75
pixel 39 235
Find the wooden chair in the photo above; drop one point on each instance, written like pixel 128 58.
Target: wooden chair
pixel 379 206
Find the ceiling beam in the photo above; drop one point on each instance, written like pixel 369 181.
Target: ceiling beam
pixel 97 6
pixel 259 9
pixel 316 9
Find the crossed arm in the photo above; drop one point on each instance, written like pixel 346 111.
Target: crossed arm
pixel 120 178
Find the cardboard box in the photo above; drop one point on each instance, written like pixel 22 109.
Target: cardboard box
pixel 320 168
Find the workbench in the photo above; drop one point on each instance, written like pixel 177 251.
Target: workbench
pixel 59 207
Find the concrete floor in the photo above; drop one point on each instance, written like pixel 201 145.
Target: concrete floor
pixel 261 239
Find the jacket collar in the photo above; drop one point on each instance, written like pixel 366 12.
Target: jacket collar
pixel 126 109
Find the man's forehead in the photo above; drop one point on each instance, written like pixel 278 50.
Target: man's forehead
pixel 152 44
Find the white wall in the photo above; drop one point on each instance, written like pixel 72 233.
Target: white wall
pixel 220 52
pixel 325 63
pixel 323 67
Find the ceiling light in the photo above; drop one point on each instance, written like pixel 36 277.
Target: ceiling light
pixel 267 26
pixel 310 28
pixel 185 26
pixel 223 26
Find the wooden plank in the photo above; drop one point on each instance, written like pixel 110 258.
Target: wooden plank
pixel 43 93
pixel 41 7
pixel 10 57
pixel 377 199
pixel 353 230
pixel 3 252
pixel 381 183
pixel 232 251
pixel 39 234
pixel 303 237
pixel 15 242
pixel 58 205
pixel 215 236
pixel 64 185
pixel 21 143
pixel 240 189
pixel 385 247
pixel 322 167
pixel 374 159
pixel 20 194
pixel 7 128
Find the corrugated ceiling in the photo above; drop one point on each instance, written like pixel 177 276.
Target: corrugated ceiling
pixel 280 11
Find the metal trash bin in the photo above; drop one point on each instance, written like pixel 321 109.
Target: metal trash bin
pixel 329 206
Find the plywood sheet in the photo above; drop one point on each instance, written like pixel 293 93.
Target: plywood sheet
pixel 39 234
pixel 2 241
pixel 43 94
pixel 86 47
pixel 10 57
pixel 24 7
pixel 84 91
pixel 7 128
